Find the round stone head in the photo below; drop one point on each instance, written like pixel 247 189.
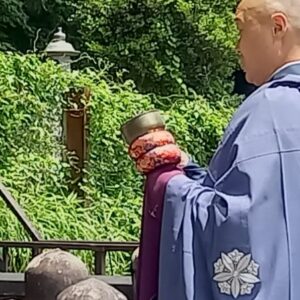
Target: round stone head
pixel 91 289
pixel 51 272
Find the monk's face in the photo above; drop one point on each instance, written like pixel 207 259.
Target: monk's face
pixel 260 45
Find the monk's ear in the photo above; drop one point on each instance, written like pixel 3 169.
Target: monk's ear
pixel 280 24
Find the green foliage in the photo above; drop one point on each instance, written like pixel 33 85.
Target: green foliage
pixel 28 24
pixel 31 164
pixel 198 126
pixel 13 23
pixel 166 47
pixel 31 151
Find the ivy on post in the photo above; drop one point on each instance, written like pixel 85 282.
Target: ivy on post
pixel 75 133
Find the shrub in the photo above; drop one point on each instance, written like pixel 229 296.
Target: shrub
pixel 166 47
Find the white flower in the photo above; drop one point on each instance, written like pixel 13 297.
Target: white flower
pixel 236 273
pixel 224 288
pixel 253 268
pixel 246 288
pixel 235 255
pixel 219 267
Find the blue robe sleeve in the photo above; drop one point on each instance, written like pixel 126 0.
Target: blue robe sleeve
pixel 235 232
pixel 194 171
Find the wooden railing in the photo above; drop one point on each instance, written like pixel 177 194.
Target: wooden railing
pixel 12 285
pixel 100 249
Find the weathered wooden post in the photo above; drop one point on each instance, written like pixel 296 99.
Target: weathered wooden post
pixel 75 131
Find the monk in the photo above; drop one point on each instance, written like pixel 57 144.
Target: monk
pixel 232 230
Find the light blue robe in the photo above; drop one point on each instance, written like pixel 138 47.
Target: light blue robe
pixel 233 231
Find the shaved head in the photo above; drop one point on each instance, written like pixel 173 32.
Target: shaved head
pixel 269 36
pixel 264 8
pixel 290 8
pixel 250 10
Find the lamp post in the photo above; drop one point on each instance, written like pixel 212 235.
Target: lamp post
pixel 75 115
pixel 60 50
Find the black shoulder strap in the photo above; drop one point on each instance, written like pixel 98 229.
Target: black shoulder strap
pixel 290 84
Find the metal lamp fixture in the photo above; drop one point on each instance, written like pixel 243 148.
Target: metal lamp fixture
pixel 60 50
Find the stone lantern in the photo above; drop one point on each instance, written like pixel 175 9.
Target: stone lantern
pixel 60 50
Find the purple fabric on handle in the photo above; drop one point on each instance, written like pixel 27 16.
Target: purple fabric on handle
pixel 147 275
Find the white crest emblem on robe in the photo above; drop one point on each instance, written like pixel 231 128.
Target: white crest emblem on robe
pixel 236 273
